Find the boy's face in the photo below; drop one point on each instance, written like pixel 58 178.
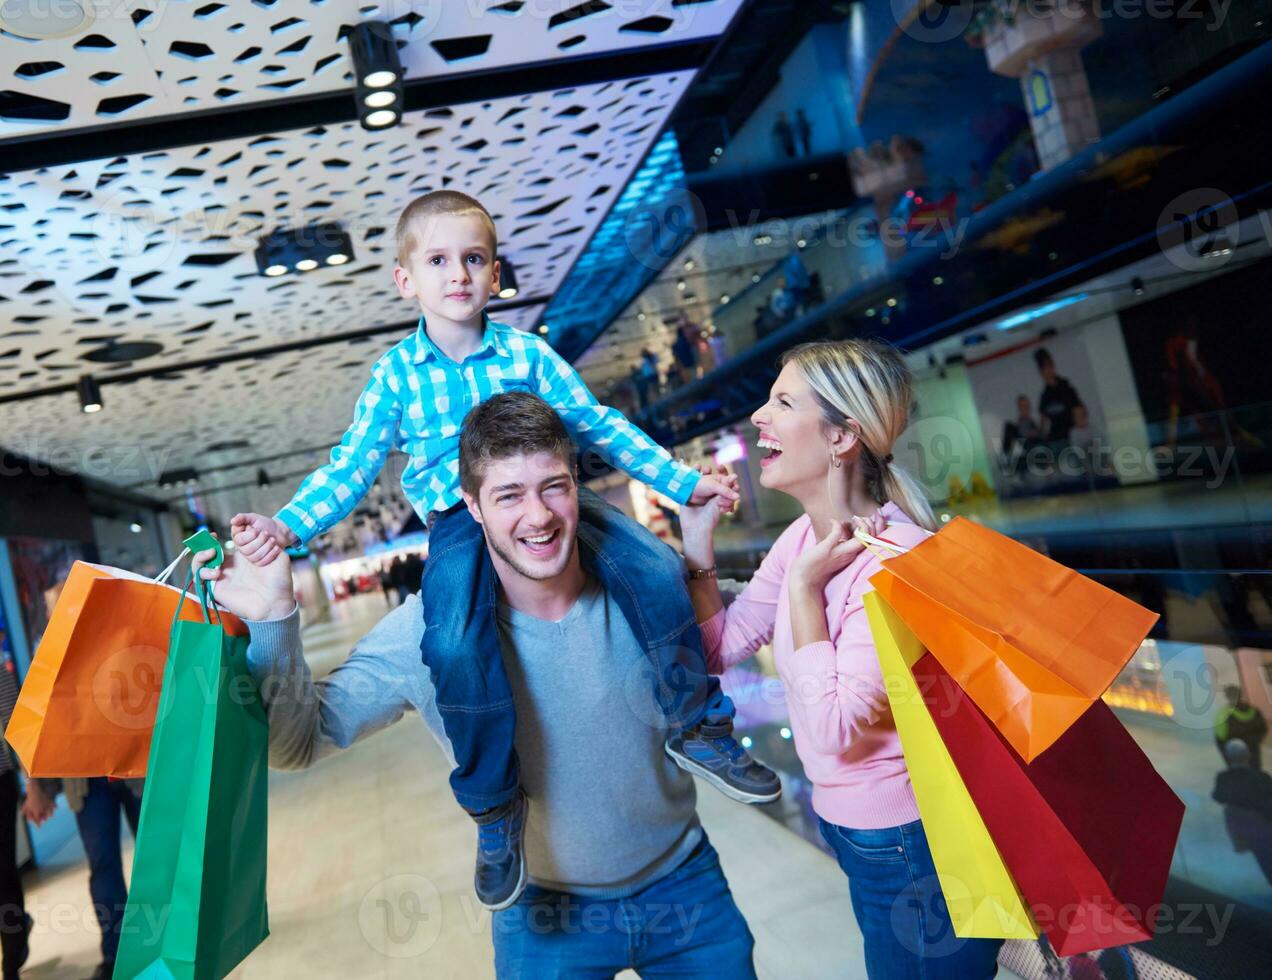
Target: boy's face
pixel 450 271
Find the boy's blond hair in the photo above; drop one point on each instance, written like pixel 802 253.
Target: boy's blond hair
pixel 439 203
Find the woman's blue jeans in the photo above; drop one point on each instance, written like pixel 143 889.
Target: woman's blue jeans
pixel 900 908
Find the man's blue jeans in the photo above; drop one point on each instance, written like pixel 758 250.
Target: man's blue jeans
pixel 901 910
pixel 461 640
pixel 98 822
pixel 683 925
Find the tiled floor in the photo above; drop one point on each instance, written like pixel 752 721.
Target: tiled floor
pixel 370 870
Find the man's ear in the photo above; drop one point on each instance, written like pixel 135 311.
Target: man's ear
pixel 473 505
pixel 406 288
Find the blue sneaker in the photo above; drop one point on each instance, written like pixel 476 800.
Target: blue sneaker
pixel 501 859
pixel 711 751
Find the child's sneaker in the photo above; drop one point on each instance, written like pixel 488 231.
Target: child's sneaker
pixel 501 859
pixel 711 751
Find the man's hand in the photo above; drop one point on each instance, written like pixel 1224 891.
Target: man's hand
pixel 250 592
pixel 260 539
pixel 37 807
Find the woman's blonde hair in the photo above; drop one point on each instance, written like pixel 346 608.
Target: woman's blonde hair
pixel 864 386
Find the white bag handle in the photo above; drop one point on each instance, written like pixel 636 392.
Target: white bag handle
pixel 162 577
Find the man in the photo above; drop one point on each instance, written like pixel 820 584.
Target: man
pixel 1243 721
pixel 1246 796
pixel 1057 401
pixel 612 837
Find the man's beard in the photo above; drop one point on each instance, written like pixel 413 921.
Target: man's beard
pixel 512 559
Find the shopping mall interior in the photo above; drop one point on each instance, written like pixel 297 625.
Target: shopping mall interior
pixel 1059 210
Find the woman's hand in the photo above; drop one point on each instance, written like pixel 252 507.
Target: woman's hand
pixel 816 566
pixel 698 521
pixel 37 807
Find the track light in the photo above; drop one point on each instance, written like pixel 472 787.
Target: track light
pixel 1137 286
pixel 507 279
pixel 303 249
pixel 377 74
pixel 90 395
pixel 262 478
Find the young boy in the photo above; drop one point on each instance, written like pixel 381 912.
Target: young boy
pixel 416 401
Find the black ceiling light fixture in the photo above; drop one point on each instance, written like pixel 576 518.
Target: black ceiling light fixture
pixel 178 476
pixel 90 395
pixel 377 74
pixel 507 279
pixel 123 352
pixel 1137 286
pixel 287 250
pixel 262 478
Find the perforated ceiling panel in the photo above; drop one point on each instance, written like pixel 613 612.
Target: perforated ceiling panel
pixel 144 58
pixel 158 248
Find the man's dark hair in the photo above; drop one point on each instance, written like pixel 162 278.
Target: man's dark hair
pixel 510 424
pixel 1042 356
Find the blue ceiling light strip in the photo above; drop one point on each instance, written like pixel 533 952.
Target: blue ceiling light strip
pixel 652 220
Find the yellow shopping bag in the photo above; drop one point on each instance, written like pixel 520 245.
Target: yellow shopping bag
pixel 983 899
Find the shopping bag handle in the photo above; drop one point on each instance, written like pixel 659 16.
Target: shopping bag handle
pixel 875 544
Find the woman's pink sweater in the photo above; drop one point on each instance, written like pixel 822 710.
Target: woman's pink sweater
pixel 840 718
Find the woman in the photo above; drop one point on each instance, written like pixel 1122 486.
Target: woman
pixel 830 424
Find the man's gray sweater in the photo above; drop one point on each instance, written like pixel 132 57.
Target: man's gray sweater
pixel 609 812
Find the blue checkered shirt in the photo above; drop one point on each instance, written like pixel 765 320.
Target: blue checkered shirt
pixel 416 401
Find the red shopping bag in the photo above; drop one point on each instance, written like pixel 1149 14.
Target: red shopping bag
pixel 1087 829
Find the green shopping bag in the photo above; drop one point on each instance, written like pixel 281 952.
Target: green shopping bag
pixel 196 906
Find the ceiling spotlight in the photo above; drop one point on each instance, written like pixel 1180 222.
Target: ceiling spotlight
pixel 378 100
pixel 180 475
pixel 507 279
pixel 380 119
pixel 377 73
pixel 543 329
pixel 90 395
pixel 681 285
pixel 690 264
pixel 262 478
pixel 135 527
pixel 938 281
pixel 1137 286
pixel 725 298
pixel 303 249
pixel 640 317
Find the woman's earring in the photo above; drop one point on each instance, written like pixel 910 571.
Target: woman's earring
pixel 836 461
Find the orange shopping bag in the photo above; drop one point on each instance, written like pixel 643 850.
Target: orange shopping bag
pixel 1033 643
pixel 88 702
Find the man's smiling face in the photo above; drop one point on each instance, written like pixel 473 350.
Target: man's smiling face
pixel 528 505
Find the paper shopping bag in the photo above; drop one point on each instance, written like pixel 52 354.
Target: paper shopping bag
pixel 983 900
pixel 1087 829
pixel 1032 642
pixel 88 702
pixel 196 904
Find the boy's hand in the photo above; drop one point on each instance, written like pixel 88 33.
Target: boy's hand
pixel 721 486
pixel 260 539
